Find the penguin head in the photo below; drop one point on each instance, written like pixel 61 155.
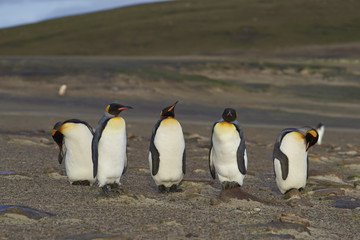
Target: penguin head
pixel 57 135
pixel 311 138
pixel 169 111
pixel 115 108
pixel 229 114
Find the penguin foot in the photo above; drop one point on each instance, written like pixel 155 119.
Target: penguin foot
pixel 81 183
pixel 162 189
pixel 227 185
pixel 117 188
pixel 174 188
pixel 106 191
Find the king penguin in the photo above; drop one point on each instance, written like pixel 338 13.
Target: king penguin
pixel 227 156
pixel 167 151
pixel 74 137
pixel 290 157
pixel 109 148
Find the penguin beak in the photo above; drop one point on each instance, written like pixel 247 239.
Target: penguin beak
pixel 124 108
pixel 173 106
pixel 229 114
pixel 307 146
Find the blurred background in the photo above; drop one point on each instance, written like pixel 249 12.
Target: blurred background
pixel 277 62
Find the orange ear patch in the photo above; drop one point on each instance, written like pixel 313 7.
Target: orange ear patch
pixel 313 133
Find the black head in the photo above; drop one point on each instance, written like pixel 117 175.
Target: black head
pixel 57 135
pixel 311 138
pixel 169 111
pixel 115 108
pixel 229 114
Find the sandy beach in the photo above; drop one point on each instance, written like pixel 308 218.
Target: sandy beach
pixel 267 99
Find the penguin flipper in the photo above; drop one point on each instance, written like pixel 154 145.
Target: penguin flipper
pixel 95 144
pixel 125 165
pixel 278 154
pixel 155 155
pixel 94 153
pixel 284 161
pixel 307 167
pixel 184 162
pixel 211 161
pixel 241 149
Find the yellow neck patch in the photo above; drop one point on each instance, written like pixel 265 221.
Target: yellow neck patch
pixel 224 127
pixel 116 122
pixel 225 124
pixel 298 134
pixel 169 120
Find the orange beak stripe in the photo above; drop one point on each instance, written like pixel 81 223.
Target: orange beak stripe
pixel 172 107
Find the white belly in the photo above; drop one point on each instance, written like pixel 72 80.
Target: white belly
pixel 226 141
pixel 294 149
pixel 169 141
pixel 78 160
pixel 112 152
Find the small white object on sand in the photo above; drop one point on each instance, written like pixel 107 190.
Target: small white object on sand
pixel 62 90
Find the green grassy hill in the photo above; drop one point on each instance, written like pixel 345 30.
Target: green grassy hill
pixel 190 27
